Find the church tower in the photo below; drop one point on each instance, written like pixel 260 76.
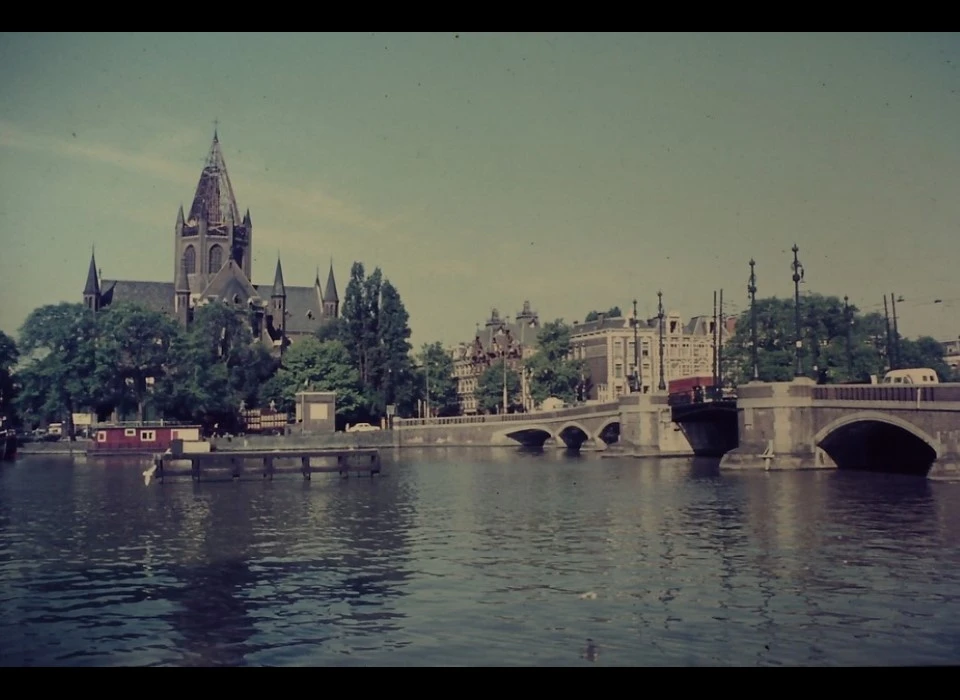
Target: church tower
pixel 212 232
pixel 278 307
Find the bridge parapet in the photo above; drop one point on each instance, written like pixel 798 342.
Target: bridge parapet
pixel 925 393
pixel 532 417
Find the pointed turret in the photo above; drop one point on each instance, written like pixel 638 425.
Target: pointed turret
pixel 316 282
pixel 331 302
pixel 246 218
pixel 180 218
pixel 279 290
pixel 214 198
pixel 91 290
pixel 93 284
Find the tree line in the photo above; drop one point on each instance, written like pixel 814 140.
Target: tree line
pixel 840 345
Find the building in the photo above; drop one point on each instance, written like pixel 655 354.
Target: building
pixel 606 347
pixel 951 354
pixel 499 341
pixel 212 263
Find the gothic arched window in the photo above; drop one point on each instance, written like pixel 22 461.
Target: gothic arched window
pixel 216 258
pixel 190 260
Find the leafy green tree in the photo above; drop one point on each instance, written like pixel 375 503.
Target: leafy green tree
pixel 132 353
pixel 310 365
pixel 8 360
pixel 552 372
pixel 436 374
pixel 331 329
pixel 372 366
pixel 924 352
pixel 352 318
pixel 614 312
pixel 489 391
pixel 397 379
pixel 59 379
pixel 825 329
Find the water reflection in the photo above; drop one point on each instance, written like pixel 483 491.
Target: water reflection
pixel 474 557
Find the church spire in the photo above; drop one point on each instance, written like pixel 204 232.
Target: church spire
pixel 214 199
pixel 92 287
pixel 330 293
pixel 279 290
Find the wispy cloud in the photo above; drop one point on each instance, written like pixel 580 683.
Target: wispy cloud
pixel 309 200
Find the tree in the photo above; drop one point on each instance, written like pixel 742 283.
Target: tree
pixel 60 378
pixel 924 352
pixel 397 379
pixel 824 329
pixel 614 312
pixel 310 365
pixel 552 373
pixel 132 352
pixel 352 323
pixel 8 360
pixel 489 391
pixel 439 384
pixel 371 369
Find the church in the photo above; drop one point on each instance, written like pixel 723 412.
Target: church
pixel 213 253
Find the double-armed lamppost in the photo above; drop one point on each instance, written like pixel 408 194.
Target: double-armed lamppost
pixel 662 386
pixel 752 289
pixel 797 276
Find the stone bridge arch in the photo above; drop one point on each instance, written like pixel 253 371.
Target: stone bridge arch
pixel 609 431
pixel 526 435
pixel 874 440
pixel 573 434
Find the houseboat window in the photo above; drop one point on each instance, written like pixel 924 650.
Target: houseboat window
pixel 148 435
pixel 101 436
pixel 130 432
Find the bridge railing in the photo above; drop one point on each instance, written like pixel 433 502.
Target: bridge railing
pixel 886 392
pixel 533 417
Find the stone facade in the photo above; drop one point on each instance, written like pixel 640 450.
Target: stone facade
pixel 607 347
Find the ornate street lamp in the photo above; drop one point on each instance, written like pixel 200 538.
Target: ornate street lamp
pixel 636 349
pixel 797 276
pixel 752 288
pixel 849 324
pixel 663 385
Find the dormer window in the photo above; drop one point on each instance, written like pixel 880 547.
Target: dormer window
pixel 310 314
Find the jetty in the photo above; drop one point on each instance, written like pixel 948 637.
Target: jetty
pixel 263 464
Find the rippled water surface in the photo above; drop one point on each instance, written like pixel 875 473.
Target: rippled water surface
pixel 478 557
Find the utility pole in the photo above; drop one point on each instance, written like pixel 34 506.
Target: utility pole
pixel 662 386
pixel 849 323
pixel 752 288
pixel 797 276
pixel 504 353
pixel 886 316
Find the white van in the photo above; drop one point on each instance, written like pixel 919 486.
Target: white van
pixel 922 375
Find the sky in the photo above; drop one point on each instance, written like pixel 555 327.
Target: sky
pixel 477 171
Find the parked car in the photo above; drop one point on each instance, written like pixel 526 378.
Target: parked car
pixel 361 428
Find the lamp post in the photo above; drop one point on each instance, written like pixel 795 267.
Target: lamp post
pixel 797 276
pixel 662 386
pixel 849 324
pixel 636 349
pixel 752 289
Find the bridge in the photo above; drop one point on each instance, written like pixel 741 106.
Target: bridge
pixel 591 426
pixel 771 426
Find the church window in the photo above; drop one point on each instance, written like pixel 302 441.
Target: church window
pixel 190 260
pixel 216 258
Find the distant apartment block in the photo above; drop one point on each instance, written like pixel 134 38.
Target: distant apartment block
pixel 607 348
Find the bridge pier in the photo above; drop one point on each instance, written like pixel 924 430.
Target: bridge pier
pixel 776 428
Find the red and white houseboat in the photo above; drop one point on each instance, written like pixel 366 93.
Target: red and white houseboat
pixel 140 438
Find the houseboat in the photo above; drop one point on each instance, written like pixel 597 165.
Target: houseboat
pixel 140 438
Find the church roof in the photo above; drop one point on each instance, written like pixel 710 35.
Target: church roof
pixel 156 296
pixel 214 199
pixel 93 285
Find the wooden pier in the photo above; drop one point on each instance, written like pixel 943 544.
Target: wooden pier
pixel 264 464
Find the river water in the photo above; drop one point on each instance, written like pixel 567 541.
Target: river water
pixel 475 558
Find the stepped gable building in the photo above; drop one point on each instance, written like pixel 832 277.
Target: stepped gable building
pixel 212 263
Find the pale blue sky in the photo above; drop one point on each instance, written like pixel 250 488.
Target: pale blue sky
pixel 576 171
